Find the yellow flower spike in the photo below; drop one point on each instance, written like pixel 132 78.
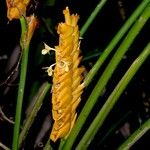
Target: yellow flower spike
pixel 67 77
pixel 47 49
pixel 16 8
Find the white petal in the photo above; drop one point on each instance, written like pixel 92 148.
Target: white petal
pixel 47 47
pixel 44 51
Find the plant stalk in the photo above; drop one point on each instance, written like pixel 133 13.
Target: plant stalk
pixel 23 72
pixel 114 41
pixel 112 99
pixel 48 146
pixel 135 136
pixel 93 15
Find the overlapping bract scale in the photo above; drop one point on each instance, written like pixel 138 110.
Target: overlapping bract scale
pixel 67 78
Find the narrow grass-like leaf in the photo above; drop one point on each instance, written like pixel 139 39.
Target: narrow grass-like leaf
pixel 38 103
pixel 135 136
pixel 48 146
pixel 114 41
pixel 112 99
pixel 106 76
pixel 92 16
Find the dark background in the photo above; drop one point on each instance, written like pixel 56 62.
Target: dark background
pixel 134 103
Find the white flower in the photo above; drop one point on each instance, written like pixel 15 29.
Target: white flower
pixel 65 65
pixel 49 69
pixel 47 49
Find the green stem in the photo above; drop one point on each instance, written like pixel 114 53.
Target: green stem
pixel 47 146
pixel 21 87
pixel 38 102
pixel 114 41
pixel 112 99
pixel 135 136
pixel 92 16
pixel 105 77
pixel 61 144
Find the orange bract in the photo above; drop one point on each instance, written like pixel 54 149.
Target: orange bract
pixel 67 78
pixel 16 8
pixel 32 22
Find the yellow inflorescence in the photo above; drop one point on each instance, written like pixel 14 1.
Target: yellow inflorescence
pixel 16 8
pixel 67 77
